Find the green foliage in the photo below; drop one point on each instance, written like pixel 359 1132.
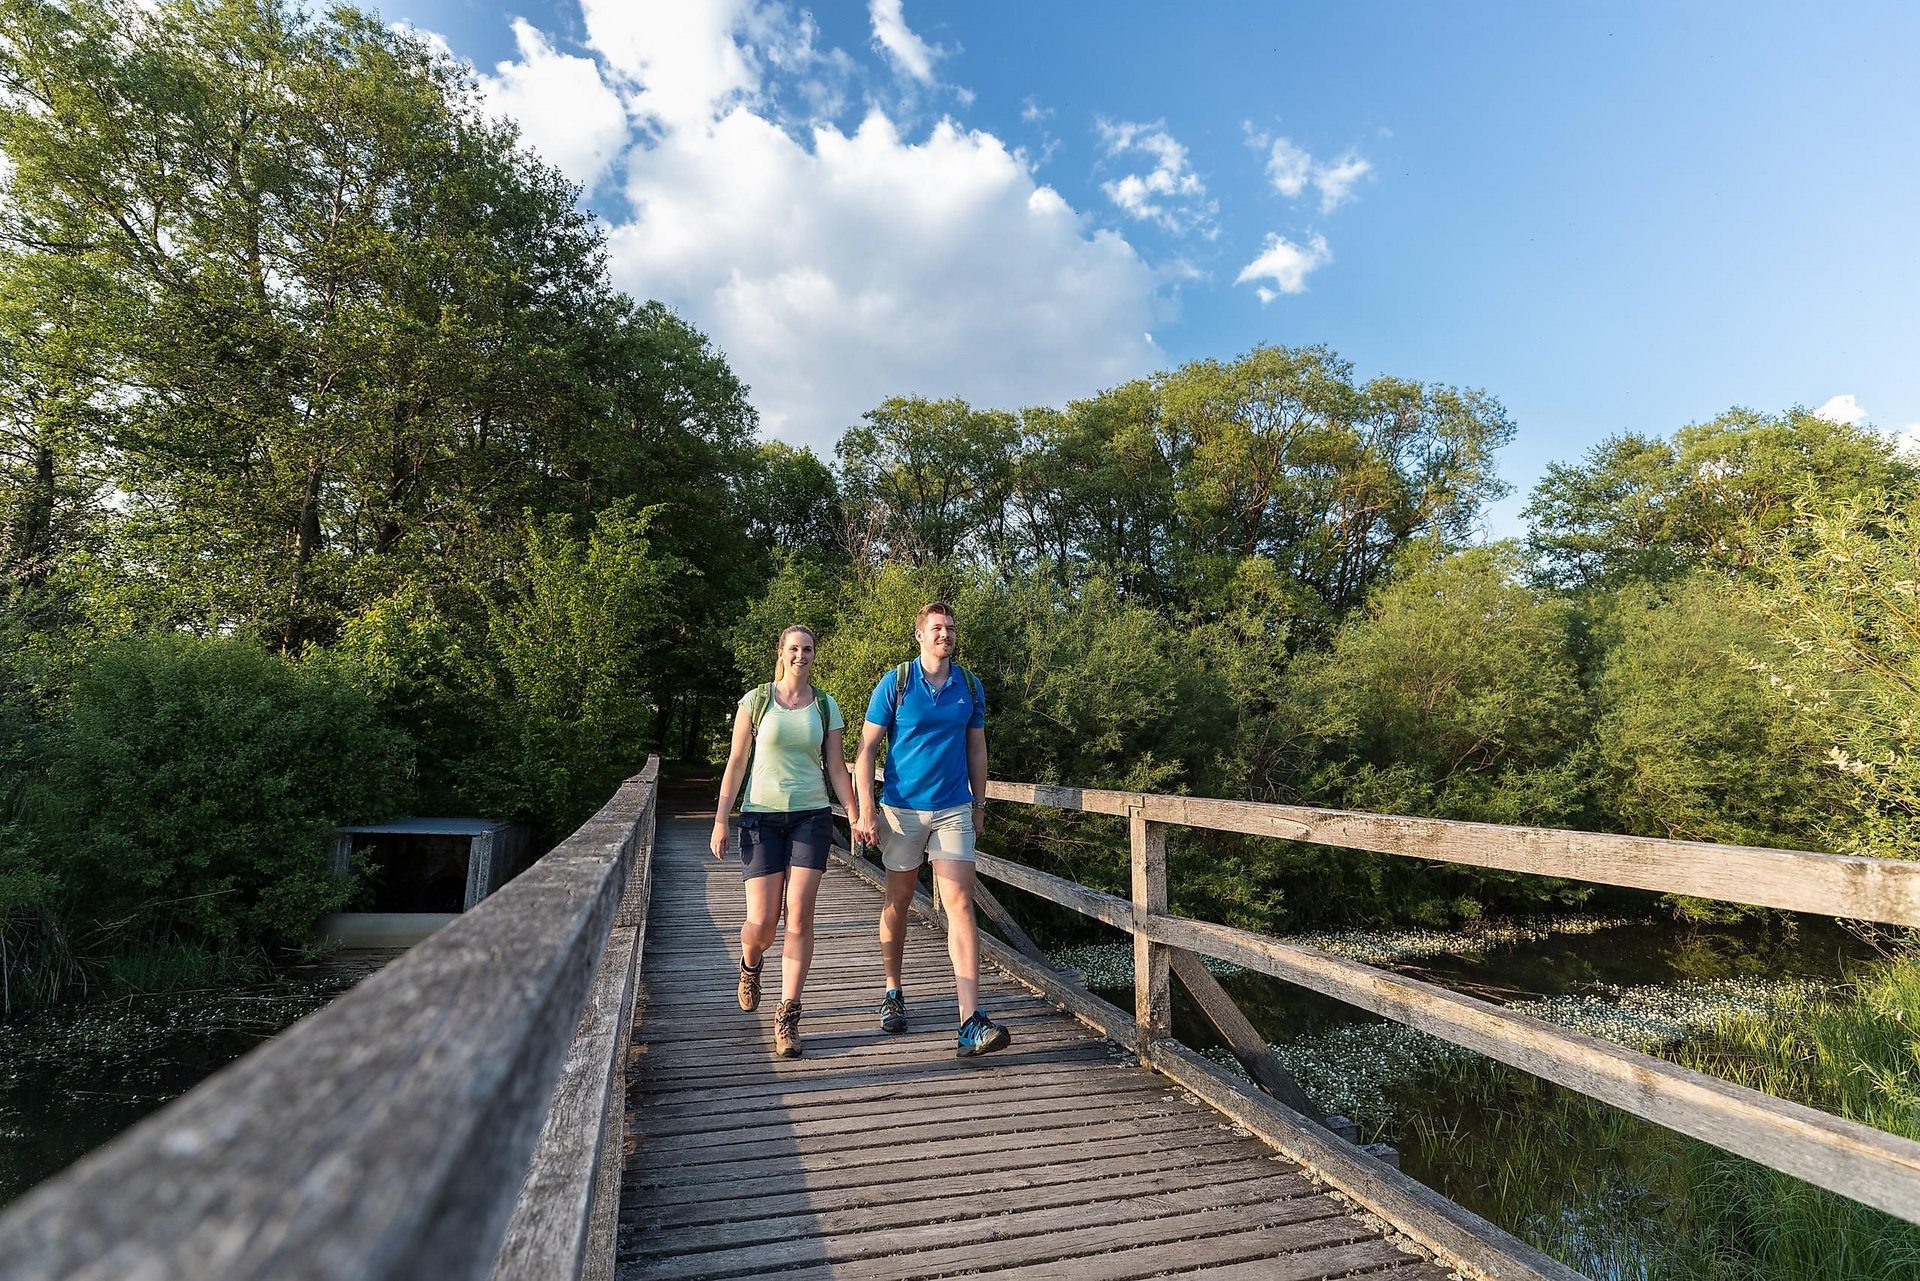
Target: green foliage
pixel 1281 454
pixel 1647 510
pixel 925 481
pixel 1857 1056
pixel 1840 591
pixel 1694 744
pixel 1454 696
pixel 576 639
pixel 192 787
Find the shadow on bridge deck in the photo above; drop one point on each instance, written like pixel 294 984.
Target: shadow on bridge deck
pixel 884 1156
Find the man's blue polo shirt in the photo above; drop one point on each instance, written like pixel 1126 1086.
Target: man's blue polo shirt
pixel 927 742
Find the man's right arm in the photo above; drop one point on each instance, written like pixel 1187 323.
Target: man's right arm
pixel 866 827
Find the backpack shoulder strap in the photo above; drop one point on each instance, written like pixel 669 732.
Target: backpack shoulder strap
pixel 820 710
pixel 757 709
pixel 973 684
pixel 899 691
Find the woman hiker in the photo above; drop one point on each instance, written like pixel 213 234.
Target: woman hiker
pixel 792 731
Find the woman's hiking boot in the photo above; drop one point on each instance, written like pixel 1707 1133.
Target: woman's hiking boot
pixel 786 1029
pixel 750 984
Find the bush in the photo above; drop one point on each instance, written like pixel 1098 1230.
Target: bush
pixel 192 786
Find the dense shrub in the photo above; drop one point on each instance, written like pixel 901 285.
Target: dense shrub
pixel 192 786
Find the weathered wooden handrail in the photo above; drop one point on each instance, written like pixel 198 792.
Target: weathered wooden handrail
pixel 389 1134
pixel 1871 1166
pixel 1864 889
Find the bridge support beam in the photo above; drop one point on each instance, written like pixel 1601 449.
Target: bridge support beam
pixel 1152 986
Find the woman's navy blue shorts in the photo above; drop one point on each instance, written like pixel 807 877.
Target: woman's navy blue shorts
pixel 773 842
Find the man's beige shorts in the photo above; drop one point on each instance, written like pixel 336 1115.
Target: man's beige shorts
pixel 910 837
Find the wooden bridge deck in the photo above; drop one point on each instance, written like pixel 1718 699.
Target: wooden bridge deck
pixel 884 1156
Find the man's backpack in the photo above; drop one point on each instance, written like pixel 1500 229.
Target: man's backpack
pixel 902 672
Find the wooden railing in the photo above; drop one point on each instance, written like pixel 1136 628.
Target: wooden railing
pixel 1876 1168
pixel 458 1115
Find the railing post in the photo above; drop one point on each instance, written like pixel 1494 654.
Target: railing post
pixel 1152 992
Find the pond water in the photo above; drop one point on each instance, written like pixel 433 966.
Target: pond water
pixel 1586 1182
pixel 70 1079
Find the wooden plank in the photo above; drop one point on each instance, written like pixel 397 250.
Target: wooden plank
pixel 603 1227
pixel 1867 889
pixel 1099 1143
pixel 1869 1165
pixel 1300 1252
pixel 660 1123
pixel 1241 1036
pixel 890 1228
pixel 1077 1178
pixel 383 1137
pixel 1457 1234
pixel 977 1113
pixel 1021 1236
pixel 771 1196
pixel 1332 1261
pixel 890 1089
pixel 1197 1235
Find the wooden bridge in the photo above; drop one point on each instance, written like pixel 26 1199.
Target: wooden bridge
pixel 560 1085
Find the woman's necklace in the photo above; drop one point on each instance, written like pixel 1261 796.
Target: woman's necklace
pixel 794 701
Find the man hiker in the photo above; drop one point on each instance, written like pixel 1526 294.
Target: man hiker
pixel 934 717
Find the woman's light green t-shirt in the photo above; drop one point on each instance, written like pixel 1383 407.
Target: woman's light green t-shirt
pixel 785 775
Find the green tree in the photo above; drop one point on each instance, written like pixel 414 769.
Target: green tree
pixel 791 502
pixel 1454 696
pixel 1279 454
pixel 280 289
pixel 1694 744
pixel 1841 589
pixel 1647 510
pixel 1092 494
pixel 925 481
pixel 578 634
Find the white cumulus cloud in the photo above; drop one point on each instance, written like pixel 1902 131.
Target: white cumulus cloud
pixel 565 111
pixel 1286 264
pixel 1291 169
pixel 1170 193
pixel 908 51
pixel 837 268
pixel 1288 168
pixel 1335 182
pixel 864 265
pixel 1843 409
pixel 682 57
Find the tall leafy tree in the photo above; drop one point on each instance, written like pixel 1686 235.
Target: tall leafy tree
pixel 1639 509
pixel 924 481
pixel 1280 454
pixel 333 312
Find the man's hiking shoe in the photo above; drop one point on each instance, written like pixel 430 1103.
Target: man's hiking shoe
pixel 750 985
pixel 981 1035
pixel 893 1011
pixel 786 1029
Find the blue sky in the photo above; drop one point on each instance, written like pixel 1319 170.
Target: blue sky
pixel 1612 218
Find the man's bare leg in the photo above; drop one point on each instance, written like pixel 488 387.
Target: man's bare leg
pixel 893 924
pixel 955 878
